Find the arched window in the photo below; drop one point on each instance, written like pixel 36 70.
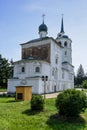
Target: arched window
pixel 56 60
pixel 23 69
pixel 37 69
pixel 53 71
pixel 56 74
pixel 65 52
pixel 65 44
pixel 62 74
pixel 59 42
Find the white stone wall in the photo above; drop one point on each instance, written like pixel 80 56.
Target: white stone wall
pixel 34 82
pixel 55 80
pixel 24 78
pixel 42 34
pixel 30 69
pixel 56 51
pixel 12 83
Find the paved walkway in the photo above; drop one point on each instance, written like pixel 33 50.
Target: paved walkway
pixel 51 95
pixel 3 93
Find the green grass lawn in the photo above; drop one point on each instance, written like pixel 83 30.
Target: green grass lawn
pixel 85 90
pixel 17 116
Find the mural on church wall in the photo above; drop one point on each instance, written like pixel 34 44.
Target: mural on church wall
pixel 41 52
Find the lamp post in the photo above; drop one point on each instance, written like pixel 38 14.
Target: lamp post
pixel 44 78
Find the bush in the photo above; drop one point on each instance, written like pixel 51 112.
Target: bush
pixel 37 102
pixel 84 84
pixel 71 102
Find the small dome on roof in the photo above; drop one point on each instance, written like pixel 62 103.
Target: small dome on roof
pixel 65 36
pixel 43 27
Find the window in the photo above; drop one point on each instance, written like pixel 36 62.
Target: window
pixel 59 42
pixel 37 69
pixel 59 35
pixel 56 60
pixel 23 69
pixel 56 74
pixel 53 71
pixel 65 44
pixel 19 95
pixel 62 74
pixel 65 52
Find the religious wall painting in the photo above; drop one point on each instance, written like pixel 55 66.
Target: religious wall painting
pixel 41 52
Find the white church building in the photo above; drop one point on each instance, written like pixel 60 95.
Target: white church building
pixel 44 56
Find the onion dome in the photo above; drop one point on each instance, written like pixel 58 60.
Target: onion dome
pixel 43 27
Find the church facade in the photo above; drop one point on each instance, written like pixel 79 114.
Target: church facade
pixel 44 56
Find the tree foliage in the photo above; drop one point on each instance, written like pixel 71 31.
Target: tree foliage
pixel 5 71
pixel 84 84
pixel 71 103
pixel 80 77
pixel 80 72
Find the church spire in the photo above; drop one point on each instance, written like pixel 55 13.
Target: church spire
pixel 62 26
pixel 43 18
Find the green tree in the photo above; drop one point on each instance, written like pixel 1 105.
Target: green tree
pixel 80 72
pixel 80 77
pixel 84 84
pixel 5 71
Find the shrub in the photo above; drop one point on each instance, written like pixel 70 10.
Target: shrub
pixel 37 102
pixel 84 84
pixel 71 102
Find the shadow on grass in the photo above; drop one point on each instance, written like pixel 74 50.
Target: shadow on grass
pixel 11 101
pixel 30 112
pixel 57 122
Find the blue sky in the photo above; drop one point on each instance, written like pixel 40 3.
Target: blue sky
pixel 20 19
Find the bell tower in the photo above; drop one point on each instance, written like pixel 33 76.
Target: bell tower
pixel 65 42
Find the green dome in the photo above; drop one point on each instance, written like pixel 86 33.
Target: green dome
pixel 42 27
